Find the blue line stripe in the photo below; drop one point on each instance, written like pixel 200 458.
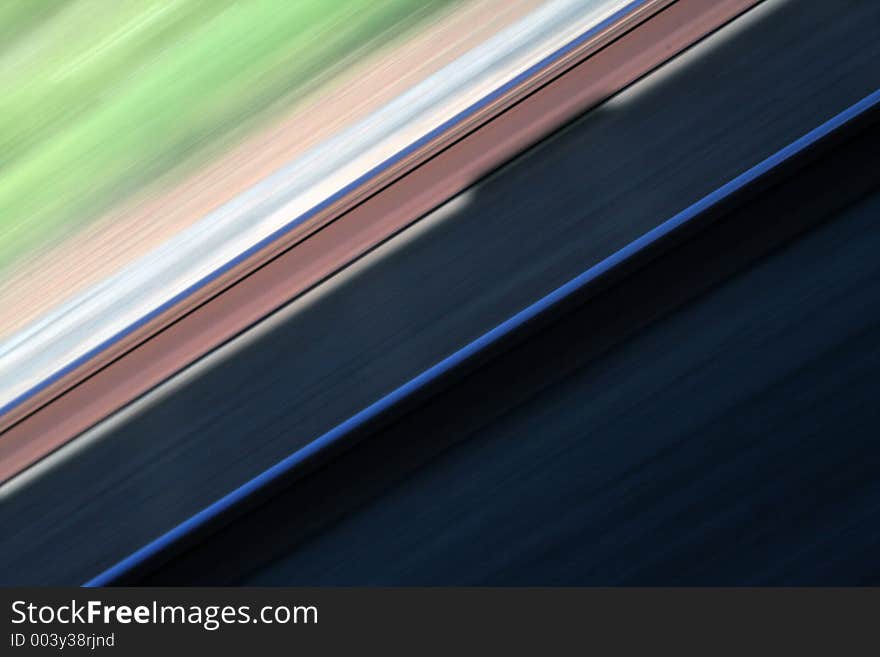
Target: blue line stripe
pixel 372 173
pixel 413 386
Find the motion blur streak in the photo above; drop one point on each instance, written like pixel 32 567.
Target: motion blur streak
pixel 68 452
pixel 599 65
pixel 595 186
pixel 89 320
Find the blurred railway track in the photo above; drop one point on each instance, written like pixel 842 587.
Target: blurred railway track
pixel 596 186
pixel 596 66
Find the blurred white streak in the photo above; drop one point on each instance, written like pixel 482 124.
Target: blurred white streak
pixel 80 325
pixel 20 482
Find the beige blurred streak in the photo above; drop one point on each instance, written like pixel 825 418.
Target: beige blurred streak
pixel 139 224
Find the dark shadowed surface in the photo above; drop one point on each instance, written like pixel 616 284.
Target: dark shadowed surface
pixel 734 442
pixel 601 419
pixel 560 208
